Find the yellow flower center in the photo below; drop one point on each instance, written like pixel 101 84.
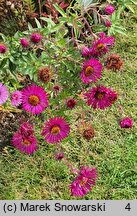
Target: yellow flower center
pixel 55 130
pixel 100 46
pixel 34 100
pixel 26 142
pixel 100 95
pixel 83 181
pixel 89 70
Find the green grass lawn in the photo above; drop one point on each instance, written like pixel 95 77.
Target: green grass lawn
pixel 113 150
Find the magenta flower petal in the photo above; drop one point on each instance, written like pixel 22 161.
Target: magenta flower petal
pixel 55 130
pixel 3 94
pixel 91 71
pixel 34 99
pixel 84 182
pixel 16 98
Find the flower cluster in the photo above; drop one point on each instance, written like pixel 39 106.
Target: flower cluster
pixel 35 38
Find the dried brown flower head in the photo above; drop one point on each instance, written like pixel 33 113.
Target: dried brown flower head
pixel 88 133
pixel 86 130
pixel 114 62
pixel 44 74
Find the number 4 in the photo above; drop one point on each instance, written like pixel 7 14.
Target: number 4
pixel 128 207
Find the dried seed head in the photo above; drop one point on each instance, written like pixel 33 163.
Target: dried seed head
pixel 114 62
pixel 88 133
pixel 44 74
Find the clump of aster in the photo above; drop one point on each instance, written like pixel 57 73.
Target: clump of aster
pixel 108 23
pixel 91 71
pixel 34 99
pixel 24 139
pixel 114 62
pixel 35 37
pixel 59 156
pixel 24 42
pixel 3 94
pixel 109 9
pixel 55 130
pixel 100 97
pixel 16 98
pixel 126 122
pixel 85 51
pixel 3 48
pixel 24 144
pixel 88 132
pixel 44 74
pixel 71 103
pixel 102 45
pixel 84 182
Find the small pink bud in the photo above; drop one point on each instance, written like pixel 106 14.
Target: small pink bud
pixel 126 122
pixel 35 37
pixel 108 24
pixel 85 51
pixel 109 9
pixel 24 42
pixel 3 48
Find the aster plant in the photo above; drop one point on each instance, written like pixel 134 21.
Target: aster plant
pixel 64 61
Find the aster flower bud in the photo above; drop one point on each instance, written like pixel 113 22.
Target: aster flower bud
pixel 126 122
pixel 108 23
pixel 59 156
pixel 85 51
pixel 71 103
pixel 35 37
pixel 109 9
pixel 24 42
pixel 3 48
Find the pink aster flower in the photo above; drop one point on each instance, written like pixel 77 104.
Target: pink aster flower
pixel 3 48
pixel 102 45
pixel 85 51
pixel 84 182
pixel 109 9
pixel 55 130
pixel 24 42
pixel 26 129
pixel 126 122
pixel 91 71
pixel 3 94
pixel 100 97
pixel 24 144
pixel 35 37
pixel 34 99
pixel 71 103
pixel 16 98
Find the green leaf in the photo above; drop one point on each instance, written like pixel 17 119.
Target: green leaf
pixel 60 10
pixel 30 27
pixel 3 62
pixel 130 8
pixel 38 23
